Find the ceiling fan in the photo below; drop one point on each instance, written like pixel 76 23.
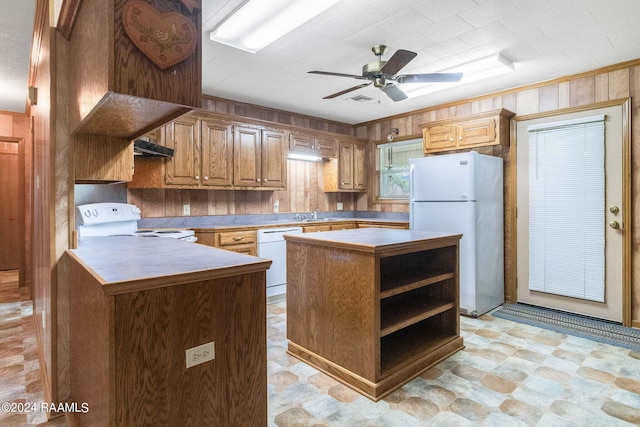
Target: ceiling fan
pixel 383 74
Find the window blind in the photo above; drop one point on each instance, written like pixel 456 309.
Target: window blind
pixel 566 208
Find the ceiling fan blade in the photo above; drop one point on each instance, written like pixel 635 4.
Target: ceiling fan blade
pixel 328 73
pixel 394 92
pixel 342 92
pixel 398 61
pixel 429 78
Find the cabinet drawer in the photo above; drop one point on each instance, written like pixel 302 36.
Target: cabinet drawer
pixel 235 238
pixel 312 228
pixel 245 248
pixel 347 226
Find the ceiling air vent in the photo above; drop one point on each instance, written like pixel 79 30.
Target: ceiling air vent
pixel 361 98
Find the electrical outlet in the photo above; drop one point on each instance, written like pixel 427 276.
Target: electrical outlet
pixel 200 354
pixel 276 206
pixel 186 210
pixel 339 206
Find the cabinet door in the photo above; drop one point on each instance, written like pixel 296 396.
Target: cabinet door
pixel 246 157
pixel 301 143
pixel 274 170
pixel 439 137
pixel 217 153
pixel 326 146
pixel 359 166
pixel 477 132
pixel 183 135
pixel 345 166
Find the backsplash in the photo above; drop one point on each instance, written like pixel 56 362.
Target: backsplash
pixel 303 194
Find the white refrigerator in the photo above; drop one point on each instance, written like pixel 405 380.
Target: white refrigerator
pixel 463 193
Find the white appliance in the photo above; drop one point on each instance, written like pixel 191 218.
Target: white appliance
pixel 463 193
pixel 271 245
pixel 120 219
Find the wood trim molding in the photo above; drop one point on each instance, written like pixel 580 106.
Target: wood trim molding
pixel 40 20
pixel 68 14
pixel 602 70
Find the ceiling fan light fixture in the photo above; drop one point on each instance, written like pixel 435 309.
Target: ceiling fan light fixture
pixel 258 23
pixel 473 71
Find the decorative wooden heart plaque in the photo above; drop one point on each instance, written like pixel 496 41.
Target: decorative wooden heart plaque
pixel 164 38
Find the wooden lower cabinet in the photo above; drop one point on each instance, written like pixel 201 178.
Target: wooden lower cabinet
pixel 242 241
pixel 373 308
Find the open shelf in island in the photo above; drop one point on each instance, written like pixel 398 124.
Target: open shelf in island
pixel 373 308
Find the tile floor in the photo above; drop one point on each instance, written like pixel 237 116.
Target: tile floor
pixel 509 374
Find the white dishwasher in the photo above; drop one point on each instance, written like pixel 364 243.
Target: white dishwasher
pixel 271 245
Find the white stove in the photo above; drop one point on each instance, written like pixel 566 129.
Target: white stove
pixel 120 219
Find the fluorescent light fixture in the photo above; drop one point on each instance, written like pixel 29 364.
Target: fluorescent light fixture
pixel 259 23
pixel 473 71
pixel 305 157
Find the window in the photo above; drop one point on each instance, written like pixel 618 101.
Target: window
pixel 392 168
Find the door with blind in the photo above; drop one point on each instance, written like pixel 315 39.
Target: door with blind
pixel 570 195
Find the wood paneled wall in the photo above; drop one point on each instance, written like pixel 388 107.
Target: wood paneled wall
pixel 580 91
pixel 234 108
pixel 303 194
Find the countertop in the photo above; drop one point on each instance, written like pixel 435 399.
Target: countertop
pixel 294 223
pixel 370 239
pixel 127 263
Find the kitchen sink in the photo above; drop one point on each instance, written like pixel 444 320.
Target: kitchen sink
pixel 319 219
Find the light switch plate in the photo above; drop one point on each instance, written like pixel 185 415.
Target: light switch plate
pixel 339 206
pixel 186 210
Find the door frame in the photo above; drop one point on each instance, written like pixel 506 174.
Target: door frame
pixel 625 103
pixel 21 206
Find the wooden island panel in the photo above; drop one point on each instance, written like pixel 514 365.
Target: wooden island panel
pixel 373 308
pixel 130 330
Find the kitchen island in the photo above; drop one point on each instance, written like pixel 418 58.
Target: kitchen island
pixel 136 305
pixel 373 308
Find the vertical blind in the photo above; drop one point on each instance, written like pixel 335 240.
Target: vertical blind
pixel 566 208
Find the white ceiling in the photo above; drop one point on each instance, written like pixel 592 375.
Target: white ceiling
pixel 16 29
pixel 544 38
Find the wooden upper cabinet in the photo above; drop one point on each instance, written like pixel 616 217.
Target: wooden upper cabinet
pixel 274 158
pixel 217 153
pixel 306 143
pixel 491 128
pixel 359 166
pixel 100 158
pixel 115 89
pixel 183 135
pixel 259 158
pixel 247 158
pixel 349 171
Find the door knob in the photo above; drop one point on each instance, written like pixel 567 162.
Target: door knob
pixel 614 224
pixel 614 209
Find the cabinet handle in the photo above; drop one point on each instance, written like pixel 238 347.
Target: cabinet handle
pixel 451 139
pixel 197 176
pixel 258 179
pixel 206 178
pixel 237 239
pixel 459 138
pixel 266 180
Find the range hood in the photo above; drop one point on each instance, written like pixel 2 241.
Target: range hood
pixel 151 149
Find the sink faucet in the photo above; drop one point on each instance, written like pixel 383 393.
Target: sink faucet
pixel 313 215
